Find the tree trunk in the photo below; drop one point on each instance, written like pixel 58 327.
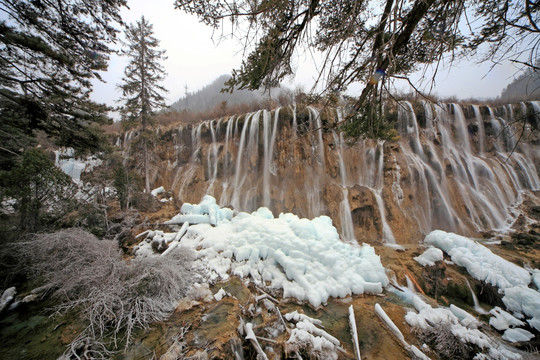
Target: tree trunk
pixel 146 176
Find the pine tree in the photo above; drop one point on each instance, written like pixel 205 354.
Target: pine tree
pixel 49 53
pixel 141 92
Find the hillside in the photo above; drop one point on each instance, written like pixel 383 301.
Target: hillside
pixel 524 87
pixel 211 96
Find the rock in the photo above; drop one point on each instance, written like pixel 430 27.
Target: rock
pixel 7 297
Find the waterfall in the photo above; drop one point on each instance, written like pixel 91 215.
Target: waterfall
pixel 347 227
pixel 455 171
pixel 481 131
pixel 196 146
pixel 238 176
pixel 477 306
pixel 269 140
pixel 212 157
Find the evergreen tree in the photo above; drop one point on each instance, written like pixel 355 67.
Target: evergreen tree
pixel 42 192
pixel 49 53
pixel 369 41
pixel 140 88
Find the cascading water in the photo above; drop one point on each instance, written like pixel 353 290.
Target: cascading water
pixel 455 171
pixel 347 227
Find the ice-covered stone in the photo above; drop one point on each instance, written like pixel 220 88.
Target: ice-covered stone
pixel 479 261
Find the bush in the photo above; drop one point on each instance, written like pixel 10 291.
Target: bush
pixel 114 296
pixel 447 345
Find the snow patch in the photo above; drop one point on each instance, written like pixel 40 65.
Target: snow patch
pixel 7 297
pixel 430 257
pixel 523 300
pixel 207 212
pixel 517 335
pixel 502 320
pixel 479 261
pixel 157 191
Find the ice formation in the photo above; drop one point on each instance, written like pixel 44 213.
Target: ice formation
pixel 521 299
pixel 516 335
pixel 502 320
pixel 73 167
pixel 354 333
pixel 536 278
pixel 304 258
pixel 207 212
pixel 430 256
pixel 479 261
pixel 512 280
pixel 7 296
pixel 460 326
pixel 306 335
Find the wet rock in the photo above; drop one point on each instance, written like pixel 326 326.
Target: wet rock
pixel 525 240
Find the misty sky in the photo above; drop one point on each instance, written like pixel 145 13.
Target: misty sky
pixel 195 59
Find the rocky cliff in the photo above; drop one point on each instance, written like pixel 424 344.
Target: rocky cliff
pixel 460 168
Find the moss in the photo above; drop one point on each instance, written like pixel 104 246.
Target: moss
pixel 459 291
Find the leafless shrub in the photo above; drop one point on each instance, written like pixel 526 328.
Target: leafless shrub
pixel 445 343
pixel 178 349
pixel 114 296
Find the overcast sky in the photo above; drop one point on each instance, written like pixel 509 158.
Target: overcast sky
pixel 195 59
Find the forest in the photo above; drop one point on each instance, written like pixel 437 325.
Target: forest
pixel 247 220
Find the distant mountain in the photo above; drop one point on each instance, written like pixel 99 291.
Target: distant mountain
pixel 210 96
pixel 524 87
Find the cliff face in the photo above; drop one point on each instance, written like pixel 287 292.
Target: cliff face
pixel 455 168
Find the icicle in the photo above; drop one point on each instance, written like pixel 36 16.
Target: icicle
pixel 354 333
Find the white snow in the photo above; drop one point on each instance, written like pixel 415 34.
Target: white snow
pixel 306 335
pixel 220 294
pixel 157 191
pixel 297 317
pixel 7 296
pixel 523 300
pixel 460 326
pixel 511 279
pixel 464 317
pixel 317 345
pixel 479 261
pixel 502 320
pixel 516 335
pixel 303 258
pixel 430 257
pixel 536 278
pixel 207 212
